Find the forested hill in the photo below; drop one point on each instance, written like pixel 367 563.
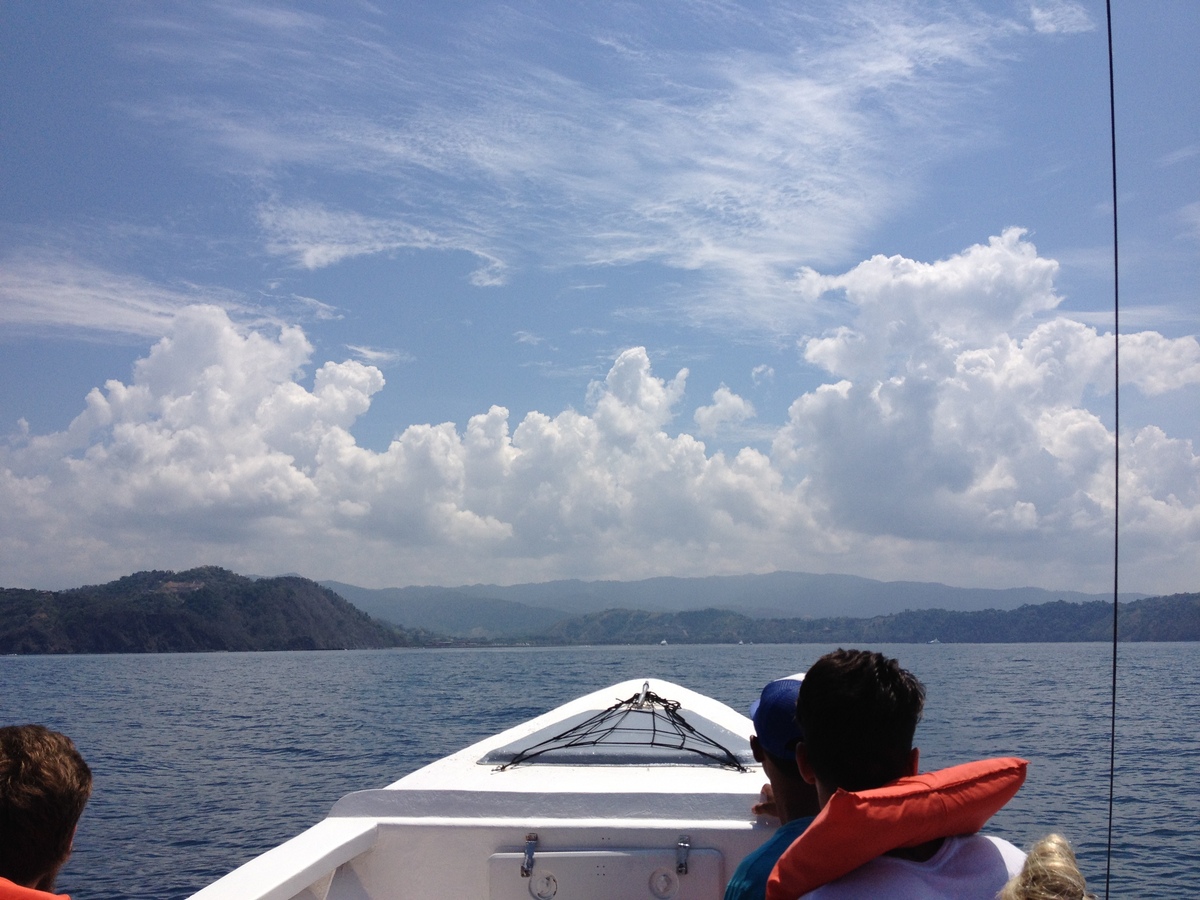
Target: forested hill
pixel 201 609
pixel 1175 618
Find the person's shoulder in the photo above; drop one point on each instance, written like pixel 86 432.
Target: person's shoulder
pixel 1014 857
pixel 978 855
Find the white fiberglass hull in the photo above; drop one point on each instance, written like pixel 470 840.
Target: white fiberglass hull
pixel 596 824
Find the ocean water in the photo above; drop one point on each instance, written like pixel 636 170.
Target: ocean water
pixel 203 761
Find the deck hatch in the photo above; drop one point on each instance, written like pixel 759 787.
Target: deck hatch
pixel 644 730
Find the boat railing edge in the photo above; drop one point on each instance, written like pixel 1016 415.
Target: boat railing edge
pixel 287 870
pixel 466 804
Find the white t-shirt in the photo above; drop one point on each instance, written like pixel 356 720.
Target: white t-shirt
pixel 964 868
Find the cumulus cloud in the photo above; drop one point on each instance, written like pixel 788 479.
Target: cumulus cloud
pixel 959 417
pixel 727 408
pixel 954 440
pixel 911 312
pixel 216 451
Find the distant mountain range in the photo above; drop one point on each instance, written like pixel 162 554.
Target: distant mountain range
pixel 209 608
pixel 1175 618
pixel 483 611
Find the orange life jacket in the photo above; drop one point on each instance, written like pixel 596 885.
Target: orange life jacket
pixel 11 891
pixel 855 827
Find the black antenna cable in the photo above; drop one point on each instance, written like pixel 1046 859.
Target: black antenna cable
pixel 1112 736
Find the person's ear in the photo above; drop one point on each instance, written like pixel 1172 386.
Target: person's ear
pixel 914 759
pixel 802 763
pixel 756 748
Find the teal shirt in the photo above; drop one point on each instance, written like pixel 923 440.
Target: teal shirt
pixel 749 881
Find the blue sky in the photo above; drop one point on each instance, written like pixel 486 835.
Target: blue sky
pixel 459 292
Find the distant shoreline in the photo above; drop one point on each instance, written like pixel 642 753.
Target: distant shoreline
pixel 213 610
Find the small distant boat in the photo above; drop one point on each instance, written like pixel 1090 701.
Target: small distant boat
pixel 935 641
pixel 647 796
pixel 662 643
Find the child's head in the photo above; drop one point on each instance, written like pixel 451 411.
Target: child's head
pixel 1050 873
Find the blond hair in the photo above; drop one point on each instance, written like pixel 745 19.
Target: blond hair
pixel 1050 873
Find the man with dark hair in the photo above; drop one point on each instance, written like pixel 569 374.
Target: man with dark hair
pixel 859 712
pixel 787 796
pixel 44 786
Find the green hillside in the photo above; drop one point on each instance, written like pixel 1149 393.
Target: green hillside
pixel 198 610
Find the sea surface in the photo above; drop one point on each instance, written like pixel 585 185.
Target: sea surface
pixel 203 761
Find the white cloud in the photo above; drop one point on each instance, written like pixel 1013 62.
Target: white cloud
pixel 763 373
pixel 40 292
pixel 1190 216
pixel 1061 17
pixel 318 309
pixel 380 357
pixel 1156 364
pixel 215 451
pixel 630 400
pixel 316 236
pixel 954 442
pixel 727 408
pixel 717 163
pixel 914 311
pixel 962 418
pixel 1183 154
pixel 271 19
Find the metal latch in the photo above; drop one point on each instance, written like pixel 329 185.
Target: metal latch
pixel 681 853
pixel 527 865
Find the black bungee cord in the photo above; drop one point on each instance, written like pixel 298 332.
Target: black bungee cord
pixel 1112 736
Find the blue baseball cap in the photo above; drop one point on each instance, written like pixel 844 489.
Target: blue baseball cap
pixel 774 715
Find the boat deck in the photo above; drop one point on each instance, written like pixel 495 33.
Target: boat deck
pixel 619 814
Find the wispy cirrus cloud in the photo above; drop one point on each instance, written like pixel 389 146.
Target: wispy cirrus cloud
pixel 736 163
pixel 1183 154
pixel 1060 17
pixel 315 236
pixel 1190 217
pixel 40 292
pixel 377 356
pixel 50 293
